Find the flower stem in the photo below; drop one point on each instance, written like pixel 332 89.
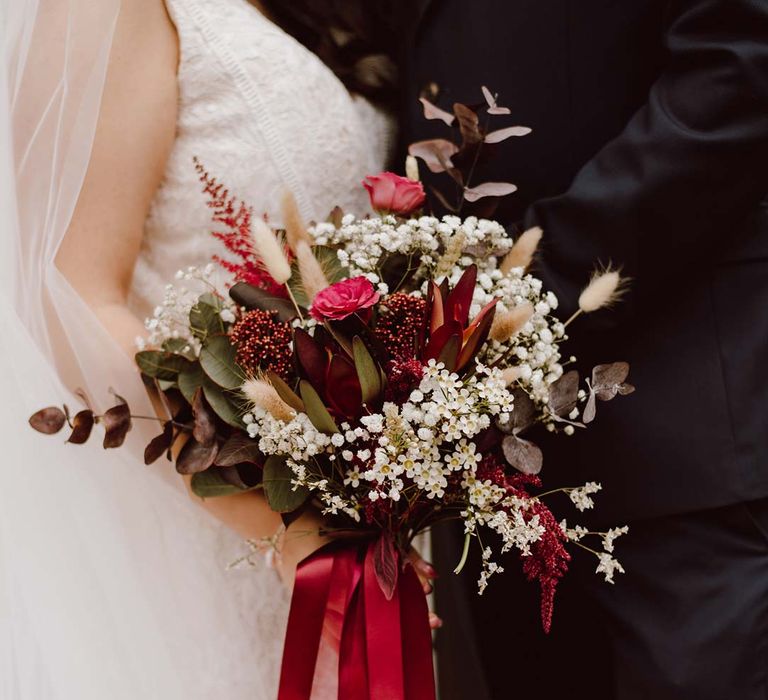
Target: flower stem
pixel 464 554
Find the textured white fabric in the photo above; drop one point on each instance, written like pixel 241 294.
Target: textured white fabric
pixel 262 114
pixel 113 584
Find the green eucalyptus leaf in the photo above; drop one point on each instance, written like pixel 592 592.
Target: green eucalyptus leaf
pixel 218 360
pixel 205 317
pixel 224 404
pixel 160 364
pixel 280 492
pixel 211 483
pixel 367 371
pixel 190 380
pixel 179 346
pixel 316 410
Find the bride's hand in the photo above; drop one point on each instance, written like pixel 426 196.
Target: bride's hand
pixel 426 573
pixel 301 538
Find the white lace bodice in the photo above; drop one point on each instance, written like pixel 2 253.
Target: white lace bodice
pixel 262 114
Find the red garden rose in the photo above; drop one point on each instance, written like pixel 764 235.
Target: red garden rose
pixel 343 299
pixel 392 194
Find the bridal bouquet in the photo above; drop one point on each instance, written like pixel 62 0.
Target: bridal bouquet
pixel 388 371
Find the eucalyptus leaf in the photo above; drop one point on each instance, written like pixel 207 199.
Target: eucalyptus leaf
pixel 522 454
pixel 195 457
pixel 190 380
pixel 82 425
pixel 316 410
pixel 223 404
pixel 218 358
pixel 278 489
pixel 205 320
pixel 367 371
pixel 212 483
pixel 159 364
pixel 48 421
pixel 238 449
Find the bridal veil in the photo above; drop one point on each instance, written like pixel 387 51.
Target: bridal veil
pixel 109 582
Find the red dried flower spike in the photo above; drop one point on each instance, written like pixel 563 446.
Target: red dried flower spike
pixel 263 343
pixel 235 216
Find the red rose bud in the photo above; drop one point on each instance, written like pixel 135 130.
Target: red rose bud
pixel 343 299
pixel 392 194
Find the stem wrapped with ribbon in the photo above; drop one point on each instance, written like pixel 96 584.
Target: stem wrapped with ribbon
pixel 384 643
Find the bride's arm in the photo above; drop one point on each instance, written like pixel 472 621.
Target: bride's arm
pixel 134 136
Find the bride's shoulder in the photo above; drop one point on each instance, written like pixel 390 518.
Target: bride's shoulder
pixel 148 22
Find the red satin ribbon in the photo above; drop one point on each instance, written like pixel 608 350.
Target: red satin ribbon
pixel 385 646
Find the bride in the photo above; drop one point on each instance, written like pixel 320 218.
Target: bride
pixel 113 583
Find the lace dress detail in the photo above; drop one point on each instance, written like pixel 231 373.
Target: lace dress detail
pixel 263 115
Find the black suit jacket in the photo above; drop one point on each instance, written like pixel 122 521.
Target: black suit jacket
pixel 649 150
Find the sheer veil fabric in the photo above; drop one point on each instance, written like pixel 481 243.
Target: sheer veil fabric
pixel 108 585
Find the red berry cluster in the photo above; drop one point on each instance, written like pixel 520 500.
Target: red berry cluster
pixel 403 376
pixel 400 327
pixel 262 342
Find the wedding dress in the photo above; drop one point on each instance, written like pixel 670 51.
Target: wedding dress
pixel 113 584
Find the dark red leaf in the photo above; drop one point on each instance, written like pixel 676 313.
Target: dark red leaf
pixel 450 353
pixel 460 299
pixel 159 445
pixel 195 457
pixel 117 423
pixel 312 358
pixel 476 334
pixel 385 564
pixel 469 124
pixel 344 396
pixel 48 421
pixel 440 338
pixel 204 430
pixel 82 425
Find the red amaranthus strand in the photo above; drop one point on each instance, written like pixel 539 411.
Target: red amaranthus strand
pixel 548 561
pixel 235 217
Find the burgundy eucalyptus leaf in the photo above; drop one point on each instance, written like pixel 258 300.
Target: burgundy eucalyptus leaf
pixel 523 411
pixel 117 423
pixel 498 111
pixel 231 476
pixel 489 189
pixel 433 112
pixel 159 445
pixel 48 421
pixel 469 124
pixel 82 425
pixel 195 457
pixel 204 430
pixel 239 449
pixel 608 380
pixel 436 153
pixel 504 134
pixel 564 394
pixel 385 564
pixel 522 454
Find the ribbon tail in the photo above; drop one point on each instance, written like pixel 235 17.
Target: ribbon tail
pixel 417 638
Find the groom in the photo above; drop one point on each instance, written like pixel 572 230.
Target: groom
pixel 649 150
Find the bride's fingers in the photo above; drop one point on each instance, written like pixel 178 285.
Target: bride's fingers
pixel 435 623
pixel 423 569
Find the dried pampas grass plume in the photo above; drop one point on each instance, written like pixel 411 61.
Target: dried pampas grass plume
pixel 263 395
pixel 510 375
pixel 312 276
pixel 523 251
pixel 412 168
pixel 270 251
pixel 295 230
pixel 604 289
pixel 509 323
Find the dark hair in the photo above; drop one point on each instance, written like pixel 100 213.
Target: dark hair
pixel 357 39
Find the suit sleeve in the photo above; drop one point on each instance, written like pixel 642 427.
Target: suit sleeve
pixel 689 168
